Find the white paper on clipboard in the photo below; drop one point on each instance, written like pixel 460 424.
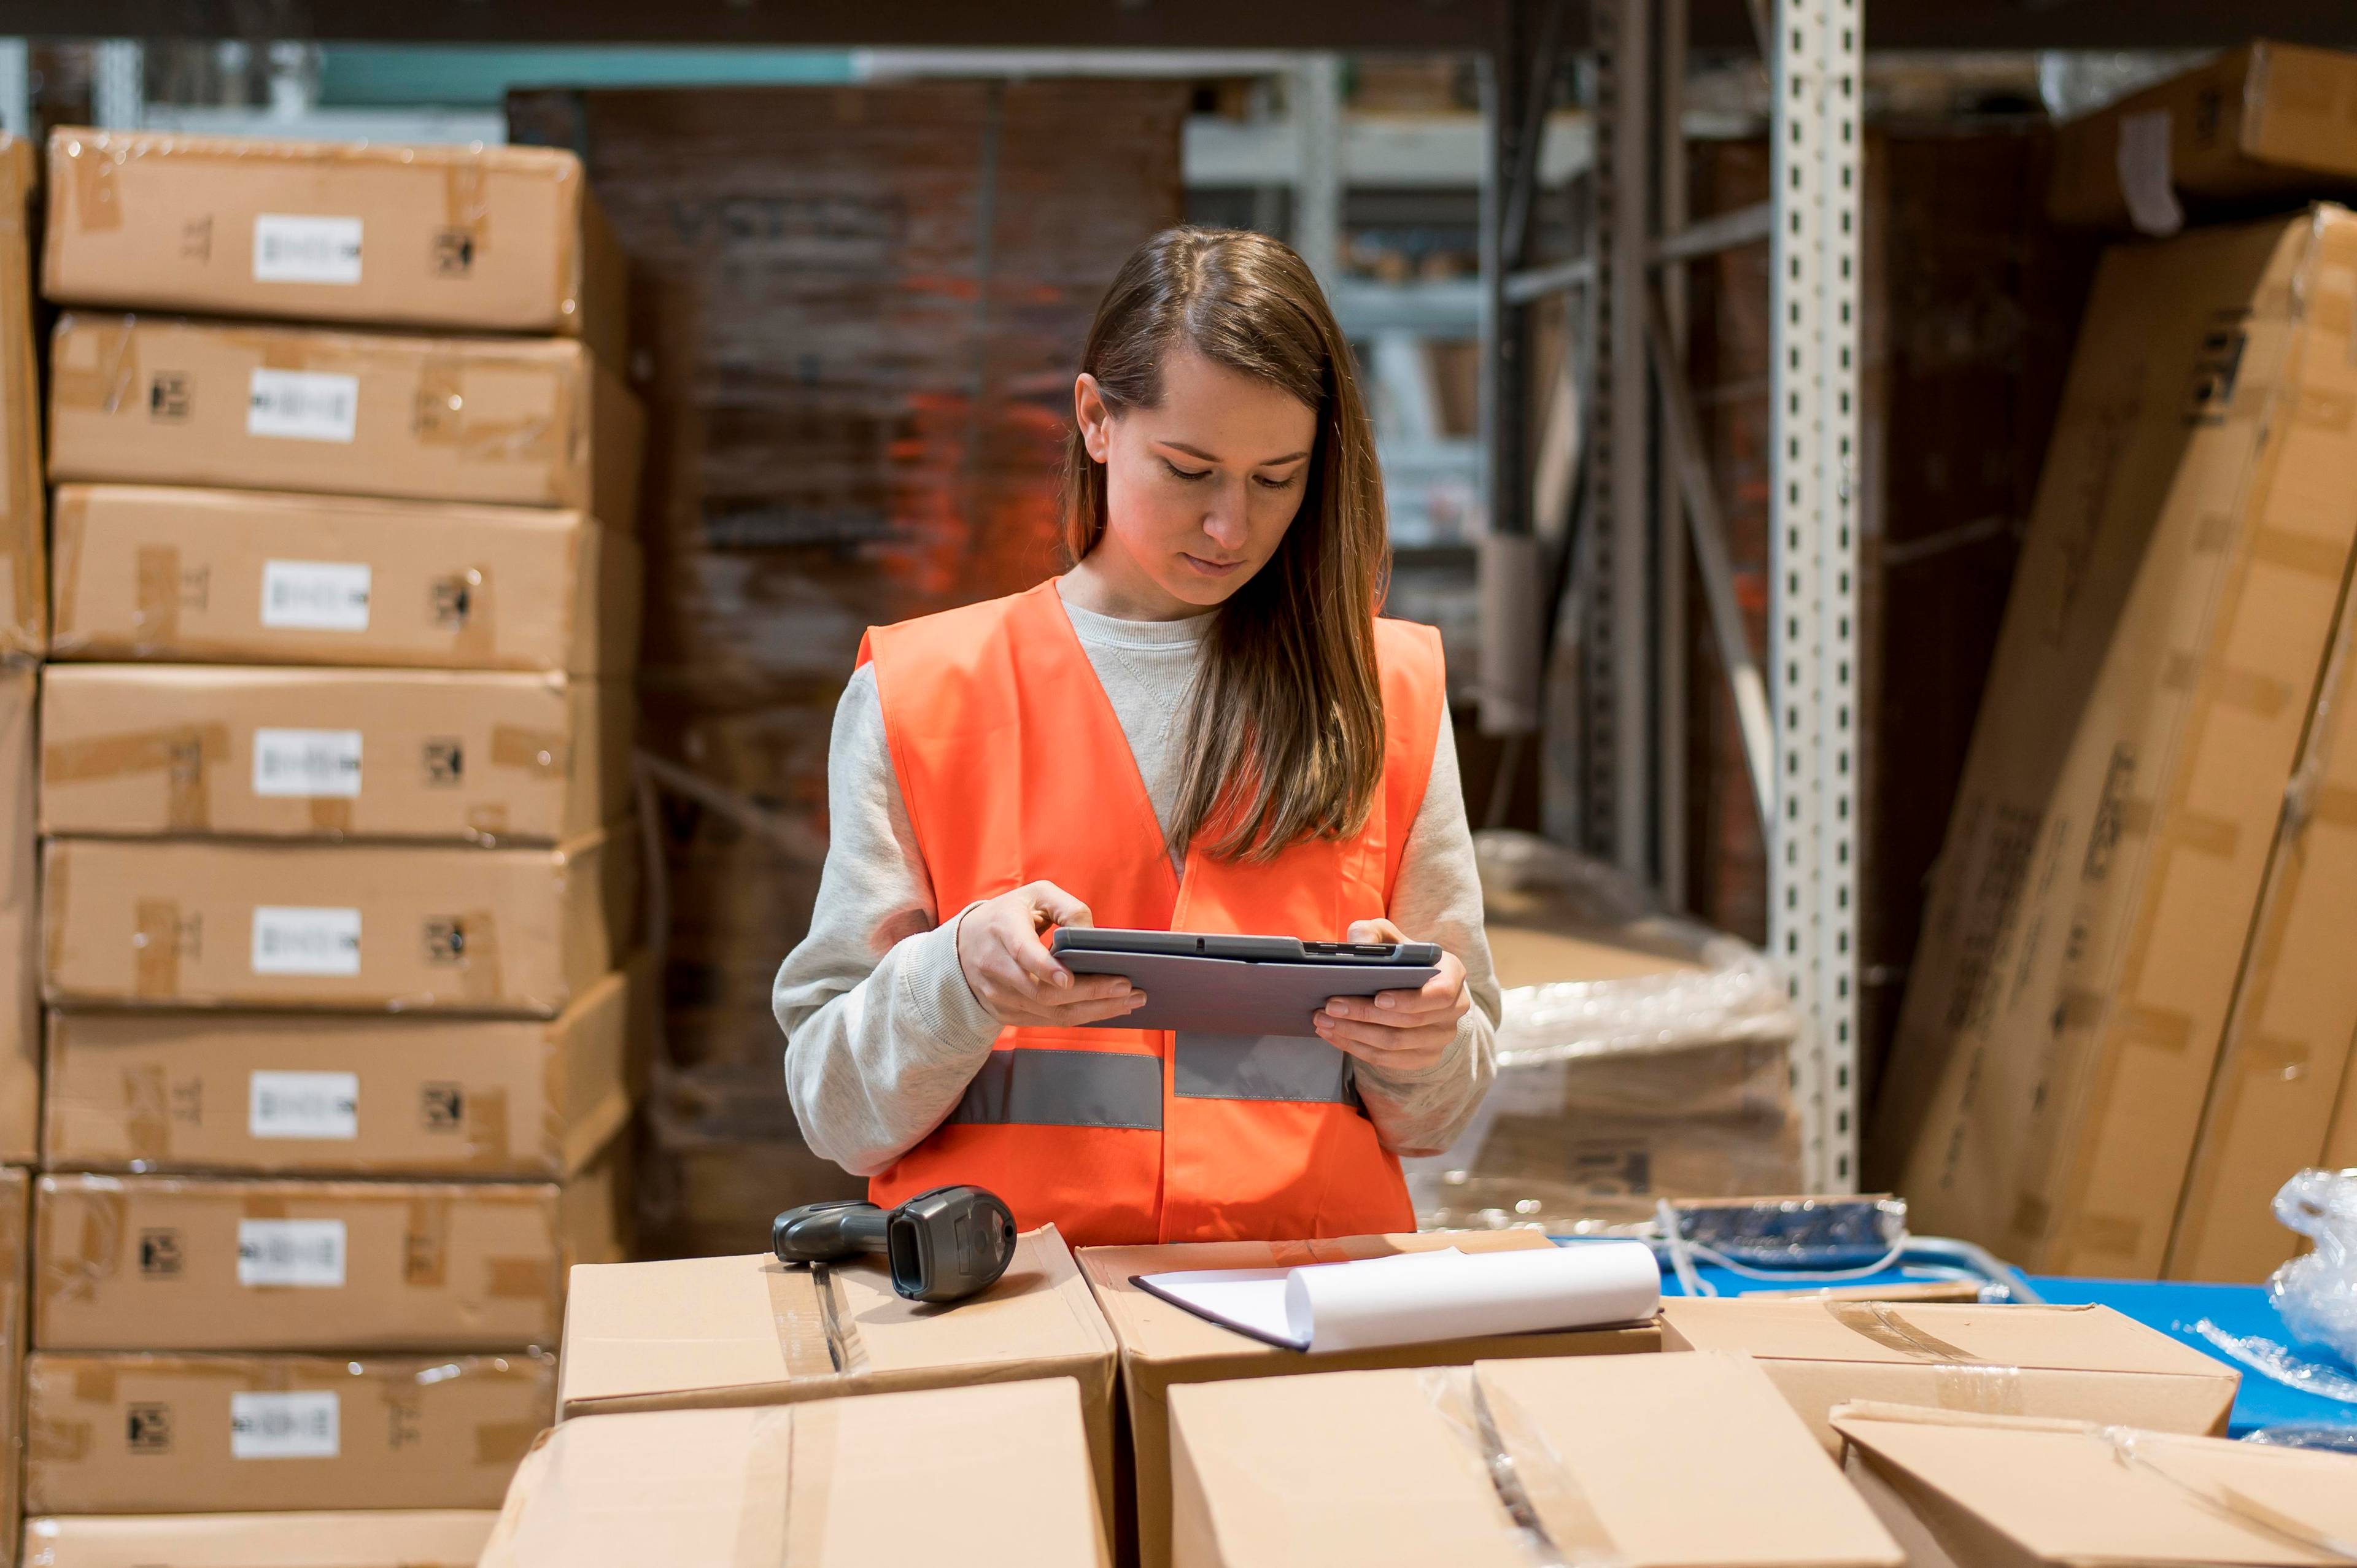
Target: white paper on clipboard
pixel 1417 1297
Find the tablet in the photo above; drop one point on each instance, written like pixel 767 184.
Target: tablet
pixel 1216 984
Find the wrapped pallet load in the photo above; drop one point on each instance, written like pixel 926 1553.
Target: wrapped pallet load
pixel 1639 1057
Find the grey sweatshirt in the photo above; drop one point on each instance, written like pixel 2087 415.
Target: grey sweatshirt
pixel 882 1032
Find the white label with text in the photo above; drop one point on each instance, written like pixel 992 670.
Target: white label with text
pixel 305 1253
pixel 307 763
pixel 303 1105
pixel 296 940
pixel 298 248
pixel 303 405
pixel 315 596
pixel 301 1423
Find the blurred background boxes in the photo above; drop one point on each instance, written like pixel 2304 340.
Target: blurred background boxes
pixel 404 1538
pixel 24 556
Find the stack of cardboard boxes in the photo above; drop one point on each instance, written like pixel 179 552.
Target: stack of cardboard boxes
pixel 2131 1018
pixel 339 882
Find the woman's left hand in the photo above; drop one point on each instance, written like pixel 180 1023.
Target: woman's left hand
pixel 1397 1031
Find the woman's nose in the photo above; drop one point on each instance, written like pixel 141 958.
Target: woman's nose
pixel 1226 523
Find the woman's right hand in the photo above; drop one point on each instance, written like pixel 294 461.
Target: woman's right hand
pixel 1008 968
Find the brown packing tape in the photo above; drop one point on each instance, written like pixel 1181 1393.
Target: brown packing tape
pixel 2113 1233
pixel 489 820
pixel 465 205
pixel 425 1243
pixel 93 1382
pixel 544 752
pixel 147 1112
pixel 1881 1323
pixel 111 347
pixel 476 637
pixel 520 1279
pixel 486 1127
pixel 480 980
pixel 156 938
pixel 2302 552
pixel 52 1442
pixel 331 815
pixel 2324 408
pixel 97 1241
pixel 442 418
pixel 157 585
pixel 265 1206
pixel 2155 1029
pixel 182 753
pixel 2334 803
pixel 504 1442
pixel 812 1430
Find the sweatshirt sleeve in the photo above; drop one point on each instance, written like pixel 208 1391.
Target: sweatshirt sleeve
pixel 882 1032
pixel 1438 898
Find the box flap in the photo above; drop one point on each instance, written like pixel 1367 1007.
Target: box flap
pixel 1151 1329
pixel 2074 1492
pixel 1643 1459
pixel 995 1475
pixel 415 1538
pixel 640 1332
pixel 2068 1338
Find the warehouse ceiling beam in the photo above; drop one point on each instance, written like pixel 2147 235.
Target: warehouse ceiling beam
pixel 1464 25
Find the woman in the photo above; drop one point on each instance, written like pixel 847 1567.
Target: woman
pixel 1202 725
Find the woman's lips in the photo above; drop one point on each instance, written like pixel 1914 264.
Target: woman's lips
pixel 1211 568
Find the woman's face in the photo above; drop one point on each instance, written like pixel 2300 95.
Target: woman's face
pixel 1199 491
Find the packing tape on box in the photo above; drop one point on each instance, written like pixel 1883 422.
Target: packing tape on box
pixel 1544 1504
pixel 815 1340
pixel 484 1123
pixel 2131 1448
pixel 94 362
pixel 70 1270
pixel 479 957
pixel 443 418
pixel 1961 1381
pixel 155 588
pixel 182 753
pixel 545 752
pixel 504 1442
pixel 85 164
pixel 146 1111
pixel 425 1251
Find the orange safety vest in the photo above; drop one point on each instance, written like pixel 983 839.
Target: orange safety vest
pixel 1014 769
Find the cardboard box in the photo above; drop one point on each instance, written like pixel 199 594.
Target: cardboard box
pixel 155 1433
pixel 21 920
pixel 200 1264
pixel 267 1094
pixel 156 399
pixel 2086 1363
pixel 515 932
pixel 256 752
pixel 995 1477
pixel 15 1236
pixel 701 1332
pixel 1163 1346
pixel 2341 1137
pixel 490 238
pixel 24 561
pixel 2268 120
pixel 1991 1491
pixel 2160 654
pixel 1654 1461
pixel 2288 1040
pixel 249 577
pixel 400 1538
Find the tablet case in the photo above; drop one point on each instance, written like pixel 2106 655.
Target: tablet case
pixel 1223 997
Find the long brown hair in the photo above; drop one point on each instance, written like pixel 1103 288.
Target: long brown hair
pixel 1285 739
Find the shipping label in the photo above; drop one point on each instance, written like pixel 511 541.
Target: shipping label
pixel 300 941
pixel 303 1105
pixel 303 405
pixel 292 248
pixel 301 1424
pixel 307 763
pixel 306 1255
pixel 315 596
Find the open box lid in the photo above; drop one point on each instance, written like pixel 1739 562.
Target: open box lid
pixel 1989 1488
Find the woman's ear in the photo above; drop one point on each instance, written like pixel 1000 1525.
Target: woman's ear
pixel 1094 418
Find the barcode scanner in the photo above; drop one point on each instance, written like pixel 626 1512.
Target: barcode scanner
pixel 943 1245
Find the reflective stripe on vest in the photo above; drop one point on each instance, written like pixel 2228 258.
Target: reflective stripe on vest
pixel 1037 1087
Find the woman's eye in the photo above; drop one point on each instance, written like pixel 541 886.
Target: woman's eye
pixel 1284 484
pixel 1178 473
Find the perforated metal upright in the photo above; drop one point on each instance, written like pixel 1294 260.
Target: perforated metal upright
pixel 1813 881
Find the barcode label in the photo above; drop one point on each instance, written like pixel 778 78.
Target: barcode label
pixel 300 249
pixel 301 1424
pixel 308 1253
pixel 303 1105
pixel 303 405
pixel 315 596
pixel 308 762
pixel 289 941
